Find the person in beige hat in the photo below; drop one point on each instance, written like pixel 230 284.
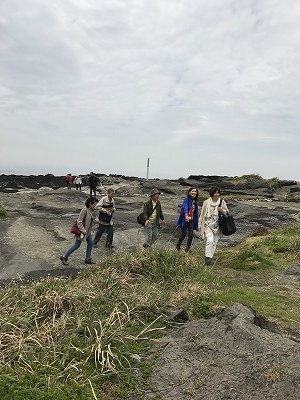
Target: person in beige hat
pixel 153 215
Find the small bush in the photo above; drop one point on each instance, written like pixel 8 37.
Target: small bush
pixel 292 198
pixel 3 213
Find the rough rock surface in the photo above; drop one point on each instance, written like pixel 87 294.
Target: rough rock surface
pixel 233 355
pixel 38 230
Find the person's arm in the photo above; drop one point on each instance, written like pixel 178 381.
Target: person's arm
pixel 185 209
pixel 223 209
pixel 161 215
pixel 145 212
pixel 202 218
pixel 100 207
pixel 80 220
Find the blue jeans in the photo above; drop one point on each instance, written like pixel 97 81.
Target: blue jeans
pixel 77 244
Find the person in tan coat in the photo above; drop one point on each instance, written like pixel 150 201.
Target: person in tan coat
pixel 84 223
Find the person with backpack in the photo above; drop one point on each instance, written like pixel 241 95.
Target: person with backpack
pixel 188 218
pixel 153 214
pixel 84 223
pixel 209 222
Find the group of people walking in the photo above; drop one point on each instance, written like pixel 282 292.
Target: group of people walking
pixel 77 181
pixel 92 180
pixel 189 220
pixel 106 208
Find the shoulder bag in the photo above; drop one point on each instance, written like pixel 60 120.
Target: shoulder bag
pixel 141 217
pixel 226 223
pixel 104 217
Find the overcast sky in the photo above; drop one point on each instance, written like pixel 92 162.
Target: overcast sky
pixel 200 87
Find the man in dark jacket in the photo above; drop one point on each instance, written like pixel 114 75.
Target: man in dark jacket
pixel 153 214
pixel 93 181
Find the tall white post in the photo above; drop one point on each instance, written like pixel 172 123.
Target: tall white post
pixel 148 161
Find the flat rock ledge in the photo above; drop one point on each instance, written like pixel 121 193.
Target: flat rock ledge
pixel 234 355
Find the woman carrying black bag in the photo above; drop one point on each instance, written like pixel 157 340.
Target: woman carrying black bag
pixel 209 222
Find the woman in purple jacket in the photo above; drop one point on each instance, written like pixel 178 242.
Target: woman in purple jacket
pixel 188 218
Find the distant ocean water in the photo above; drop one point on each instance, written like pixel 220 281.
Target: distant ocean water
pixel 28 171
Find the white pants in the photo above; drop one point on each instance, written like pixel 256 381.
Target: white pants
pixel 211 242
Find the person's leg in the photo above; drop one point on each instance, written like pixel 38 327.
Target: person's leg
pixel 182 236
pixel 110 235
pixel 190 235
pixel 211 244
pixel 99 233
pixel 154 233
pixel 89 247
pixel 79 186
pixel 91 191
pixel 71 250
pixel 148 235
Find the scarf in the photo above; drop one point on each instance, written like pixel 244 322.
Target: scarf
pixel 211 208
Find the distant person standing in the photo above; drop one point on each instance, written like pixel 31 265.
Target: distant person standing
pixel 93 181
pixel 78 182
pixel 106 208
pixel 69 180
pixel 188 218
pixel 208 222
pixel 84 222
pixel 153 215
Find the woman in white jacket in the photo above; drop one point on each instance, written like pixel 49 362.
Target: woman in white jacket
pixel 208 222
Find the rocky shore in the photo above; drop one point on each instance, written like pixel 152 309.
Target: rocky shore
pixel 41 210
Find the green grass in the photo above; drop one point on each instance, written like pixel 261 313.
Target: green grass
pixel 83 338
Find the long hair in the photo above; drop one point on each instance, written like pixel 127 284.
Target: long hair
pixel 189 194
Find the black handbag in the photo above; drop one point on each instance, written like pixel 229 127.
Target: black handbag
pixel 104 217
pixel 229 227
pixel 141 217
pixel 226 223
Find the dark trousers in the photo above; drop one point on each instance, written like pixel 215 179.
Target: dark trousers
pixel 92 191
pixel 187 228
pixel 78 186
pixel 104 228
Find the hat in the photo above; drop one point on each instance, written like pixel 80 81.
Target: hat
pixel 153 192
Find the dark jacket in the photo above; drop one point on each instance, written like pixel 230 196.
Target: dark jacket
pixel 148 207
pixel 93 181
pixel 186 206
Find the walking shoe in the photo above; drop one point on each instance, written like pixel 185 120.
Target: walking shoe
pixel 178 248
pixel 64 260
pixel 208 261
pixel 95 245
pixel 89 261
pixel 145 245
pixel 109 246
